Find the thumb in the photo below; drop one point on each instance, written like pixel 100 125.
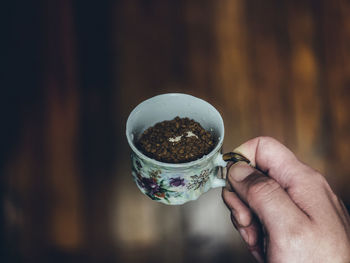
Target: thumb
pixel 265 197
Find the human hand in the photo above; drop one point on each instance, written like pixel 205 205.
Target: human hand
pixel 288 213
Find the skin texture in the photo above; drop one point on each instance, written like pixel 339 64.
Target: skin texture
pixel 284 210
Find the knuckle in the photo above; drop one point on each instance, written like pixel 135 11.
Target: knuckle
pixel 245 217
pixel 261 190
pixel 309 176
pixel 316 176
pixel 266 140
pixel 318 180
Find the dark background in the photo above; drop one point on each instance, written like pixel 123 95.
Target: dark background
pixel 74 70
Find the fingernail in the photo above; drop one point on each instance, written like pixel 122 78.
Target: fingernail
pixel 257 256
pixel 244 234
pixel 240 171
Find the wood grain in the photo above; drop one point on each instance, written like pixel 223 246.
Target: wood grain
pixel 275 68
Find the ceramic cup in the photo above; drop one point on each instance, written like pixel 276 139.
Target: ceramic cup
pixel 170 183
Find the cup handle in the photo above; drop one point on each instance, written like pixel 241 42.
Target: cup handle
pixel 222 160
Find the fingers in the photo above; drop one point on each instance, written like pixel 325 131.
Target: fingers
pixel 265 197
pixel 242 214
pixel 273 158
pixel 253 237
pixel 301 182
pixel 292 203
pixel 245 222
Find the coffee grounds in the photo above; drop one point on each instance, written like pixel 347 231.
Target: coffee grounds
pixel 176 141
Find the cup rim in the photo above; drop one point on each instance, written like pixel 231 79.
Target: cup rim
pixel 173 165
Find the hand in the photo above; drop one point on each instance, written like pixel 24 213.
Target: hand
pixel 288 213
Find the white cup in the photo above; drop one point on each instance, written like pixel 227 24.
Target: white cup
pixel 171 183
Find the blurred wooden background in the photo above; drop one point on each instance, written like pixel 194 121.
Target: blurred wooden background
pixel 77 69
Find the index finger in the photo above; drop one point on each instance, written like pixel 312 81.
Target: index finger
pixel 301 182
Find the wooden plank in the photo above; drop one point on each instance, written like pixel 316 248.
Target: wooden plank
pixel 307 104
pixel 337 51
pixel 61 129
pixel 270 63
pixel 151 50
pixel 235 94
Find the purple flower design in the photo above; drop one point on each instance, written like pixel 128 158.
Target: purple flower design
pixel 150 185
pixel 177 181
pixel 154 185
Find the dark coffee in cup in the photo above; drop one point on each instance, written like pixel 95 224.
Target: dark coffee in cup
pixel 179 140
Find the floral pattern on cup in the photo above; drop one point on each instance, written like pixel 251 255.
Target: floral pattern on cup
pixel 154 186
pixel 178 181
pixel 163 185
pixel 198 181
pixel 175 184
